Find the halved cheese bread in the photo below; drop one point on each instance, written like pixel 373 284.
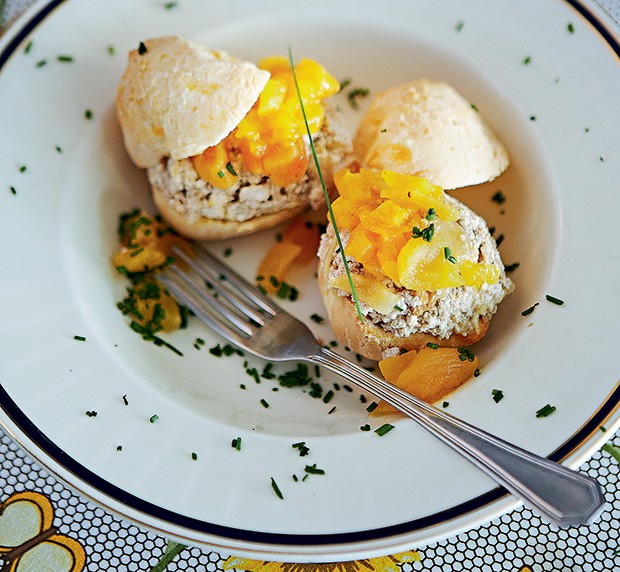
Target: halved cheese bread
pixel 177 97
pixel 426 128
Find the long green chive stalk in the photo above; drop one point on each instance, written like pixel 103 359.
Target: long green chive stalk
pixel 329 204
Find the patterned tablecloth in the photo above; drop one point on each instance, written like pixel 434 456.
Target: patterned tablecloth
pixel 518 541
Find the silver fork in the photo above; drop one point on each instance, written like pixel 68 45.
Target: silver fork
pixel 246 317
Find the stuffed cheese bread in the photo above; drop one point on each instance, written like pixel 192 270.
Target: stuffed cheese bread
pixel 223 140
pixel 424 266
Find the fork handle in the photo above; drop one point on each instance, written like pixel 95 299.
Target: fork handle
pixel 563 496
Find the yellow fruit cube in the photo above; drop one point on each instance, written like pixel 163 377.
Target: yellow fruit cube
pixel 362 186
pixel 362 245
pixel 412 257
pixel 387 220
pixel 477 274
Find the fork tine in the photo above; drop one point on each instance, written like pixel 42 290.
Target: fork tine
pixel 215 301
pixel 203 270
pixel 205 306
pixel 216 269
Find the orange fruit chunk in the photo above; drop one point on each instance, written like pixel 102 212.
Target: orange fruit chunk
pixel 430 374
pixel 299 245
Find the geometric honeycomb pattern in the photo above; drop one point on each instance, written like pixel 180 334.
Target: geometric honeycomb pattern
pixel 509 543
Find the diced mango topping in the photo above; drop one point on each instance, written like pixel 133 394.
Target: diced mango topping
pixel 403 228
pixel 146 245
pixel 429 374
pixel 270 137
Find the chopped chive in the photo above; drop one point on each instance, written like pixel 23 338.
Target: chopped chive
pixel 22 168
pixel 316 318
pixel 142 49
pixel 153 418
pixel 302 448
pixel 91 413
pixel 459 26
pixel 88 114
pixel 398 308
pixel 228 252
pixel 79 338
pixel 477 372
pixel 445 404
pixel 267 373
pixel 194 456
pixel 432 345
pixel 276 488
pixel 313 470
pixel 512 267
pixel 545 411
pixel 41 63
pixel 365 427
pixel 570 27
pixel 220 174
pixel 125 401
pixel 355 94
pixel 328 396
pixel 119 447
pixel 28 47
pixel 529 310
pixel 466 354
pixel 58 148
pixel 264 403
pixel 431 214
pixel 170 5
pixel 448 255
pixel 13 190
pixel 372 407
pixel 497 394
pixel 527 60
pixel 554 300
pixel 425 234
pixel 474 107
pixel 111 49
pixel 236 443
pixel 231 169
pixel 384 429
pixel 64 58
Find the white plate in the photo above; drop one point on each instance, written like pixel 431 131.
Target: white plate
pixel 550 92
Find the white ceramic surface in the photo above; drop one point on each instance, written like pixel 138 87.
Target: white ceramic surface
pixel 551 94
